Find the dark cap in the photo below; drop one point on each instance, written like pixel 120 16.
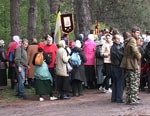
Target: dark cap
pixel 135 28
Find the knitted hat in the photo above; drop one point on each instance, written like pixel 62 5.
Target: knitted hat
pixel 78 44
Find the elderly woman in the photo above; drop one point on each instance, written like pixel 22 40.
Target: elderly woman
pixel 78 73
pixel 43 78
pixel 61 71
pixel 12 75
pixel 3 77
pixel 89 51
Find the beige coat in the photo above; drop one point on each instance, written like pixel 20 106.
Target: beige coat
pixel 32 49
pixel 61 61
pixel 106 52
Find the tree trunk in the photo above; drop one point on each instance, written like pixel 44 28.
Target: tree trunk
pixel 45 16
pixel 15 17
pixel 32 20
pixel 53 6
pixel 84 16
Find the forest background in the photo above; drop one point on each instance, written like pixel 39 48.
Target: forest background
pixel 34 18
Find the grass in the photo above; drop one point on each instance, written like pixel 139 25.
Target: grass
pixel 7 94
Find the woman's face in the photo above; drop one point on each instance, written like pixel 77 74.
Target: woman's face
pixel 108 38
pixel 49 40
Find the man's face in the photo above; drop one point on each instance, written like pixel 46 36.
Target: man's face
pixel 25 44
pixel 117 40
pixel 136 34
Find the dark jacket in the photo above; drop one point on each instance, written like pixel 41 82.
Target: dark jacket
pixel 116 54
pixel 147 52
pixel 2 58
pixel 78 73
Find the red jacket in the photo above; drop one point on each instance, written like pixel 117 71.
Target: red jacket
pixel 53 50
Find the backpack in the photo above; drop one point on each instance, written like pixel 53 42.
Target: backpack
pixel 75 59
pixel 98 51
pixel 39 59
pixel 11 57
pixel 48 58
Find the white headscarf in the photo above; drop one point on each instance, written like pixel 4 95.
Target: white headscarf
pixel 91 36
pixel 78 44
pixel 2 42
pixel 16 38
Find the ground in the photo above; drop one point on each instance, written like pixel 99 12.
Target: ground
pixel 93 103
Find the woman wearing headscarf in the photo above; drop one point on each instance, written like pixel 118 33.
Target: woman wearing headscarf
pixel 43 78
pixel 89 51
pixel 61 71
pixel 11 70
pixel 78 73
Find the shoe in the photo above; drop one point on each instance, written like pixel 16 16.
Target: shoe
pixel 103 90
pixel 142 89
pixel 134 103
pixel 53 98
pixel 100 88
pixel 41 99
pixel 80 94
pixel 24 97
pixel 66 97
pixel 109 90
pixel 75 95
pixel 17 95
pixel 138 98
pixel 120 101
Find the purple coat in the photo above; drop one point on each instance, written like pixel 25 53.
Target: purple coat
pixel 89 51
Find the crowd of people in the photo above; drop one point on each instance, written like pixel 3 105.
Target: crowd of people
pixel 109 61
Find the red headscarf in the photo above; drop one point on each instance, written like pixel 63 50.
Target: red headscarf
pixel 41 45
pixel 12 46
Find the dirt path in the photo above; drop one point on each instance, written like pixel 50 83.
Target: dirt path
pixel 92 103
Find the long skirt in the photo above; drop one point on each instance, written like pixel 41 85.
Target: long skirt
pixel 3 77
pixel 63 84
pixel 90 73
pixel 43 87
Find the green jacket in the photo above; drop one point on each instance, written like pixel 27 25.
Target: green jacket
pixel 131 56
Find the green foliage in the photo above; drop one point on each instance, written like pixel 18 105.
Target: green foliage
pixel 67 6
pixel 53 22
pixel 5 21
pixel 24 7
pixel 122 14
